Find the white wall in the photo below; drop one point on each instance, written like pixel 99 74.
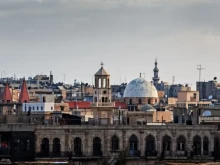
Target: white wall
pixel 38 107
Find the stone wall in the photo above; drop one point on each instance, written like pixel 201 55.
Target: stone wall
pixel 67 134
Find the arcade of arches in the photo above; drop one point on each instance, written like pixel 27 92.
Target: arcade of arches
pixel 138 141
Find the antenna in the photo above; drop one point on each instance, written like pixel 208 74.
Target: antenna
pixel 125 80
pixel 120 78
pixel 200 72
pixel 144 74
pixel 64 78
pixel 173 81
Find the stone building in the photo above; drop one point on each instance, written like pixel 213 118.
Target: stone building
pixel 89 144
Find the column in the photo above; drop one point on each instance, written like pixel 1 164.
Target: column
pixel 202 146
pixel 174 147
pixel 158 143
pixel 142 145
pixel 51 146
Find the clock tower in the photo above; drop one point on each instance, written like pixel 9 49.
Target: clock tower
pixel 102 88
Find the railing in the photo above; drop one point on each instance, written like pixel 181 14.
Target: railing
pixel 134 153
pixel 104 104
pixel 209 119
pixel 150 153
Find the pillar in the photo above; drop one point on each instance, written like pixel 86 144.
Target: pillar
pixel 202 146
pixel 142 145
pixel 173 146
pixel 158 143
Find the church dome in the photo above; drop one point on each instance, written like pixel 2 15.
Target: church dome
pixel 140 88
pixel 147 107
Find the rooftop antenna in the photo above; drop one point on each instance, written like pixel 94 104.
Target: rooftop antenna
pixel 120 78
pixel 125 80
pixel 173 81
pixel 140 75
pixel 64 78
pixel 144 74
pixel 199 68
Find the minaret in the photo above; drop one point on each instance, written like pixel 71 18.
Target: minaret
pixel 24 97
pixel 156 78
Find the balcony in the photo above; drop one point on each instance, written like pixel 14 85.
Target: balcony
pixel 209 119
pixel 102 104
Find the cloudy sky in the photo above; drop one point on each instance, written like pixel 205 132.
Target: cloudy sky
pixel 72 37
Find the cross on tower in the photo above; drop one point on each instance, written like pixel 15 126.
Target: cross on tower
pixel 102 64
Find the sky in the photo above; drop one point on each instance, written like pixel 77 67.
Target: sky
pixel 73 37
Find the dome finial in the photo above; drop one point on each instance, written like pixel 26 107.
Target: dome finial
pixel 155 61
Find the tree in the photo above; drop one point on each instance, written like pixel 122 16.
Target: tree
pixel 121 158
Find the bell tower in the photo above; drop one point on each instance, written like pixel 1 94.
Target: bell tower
pixel 102 89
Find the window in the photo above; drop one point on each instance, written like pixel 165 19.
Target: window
pixel 139 101
pixel 194 95
pixel 28 145
pixel 115 143
pixel 33 108
pixel 42 108
pixel 37 108
pixel 51 108
pixel 25 108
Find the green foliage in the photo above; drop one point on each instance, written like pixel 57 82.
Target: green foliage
pixel 122 158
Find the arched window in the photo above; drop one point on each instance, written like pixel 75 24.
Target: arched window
pixel 97 147
pixel 78 146
pixel 56 147
pixel 100 83
pixel 181 143
pixel 115 143
pixel 205 146
pixel 133 141
pixel 197 145
pixel 139 101
pixel 166 144
pixel 150 146
pixel 130 101
pixel 104 83
pixel 45 147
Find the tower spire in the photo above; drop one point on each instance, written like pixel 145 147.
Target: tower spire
pixel 7 98
pixel 156 70
pixel 24 97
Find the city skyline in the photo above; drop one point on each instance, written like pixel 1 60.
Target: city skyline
pixel 73 37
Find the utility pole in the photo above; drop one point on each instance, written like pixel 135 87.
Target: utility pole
pixel 199 68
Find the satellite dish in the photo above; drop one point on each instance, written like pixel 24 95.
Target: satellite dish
pixel 206 113
pixel 210 97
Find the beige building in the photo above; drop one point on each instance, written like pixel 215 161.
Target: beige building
pixel 189 99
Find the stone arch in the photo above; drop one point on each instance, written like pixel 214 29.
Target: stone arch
pixel 97 146
pixel 150 147
pixel 115 143
pixel 181 143
pixel 56 147
pixel 77 142
pixel 133 145
pixel 45 147
pixel 197 146
pixel 167 145
pixel 205 145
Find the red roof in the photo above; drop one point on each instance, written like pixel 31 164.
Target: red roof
pixel 79 104
pixel 7 98
pixel 121 104
pixel 24 97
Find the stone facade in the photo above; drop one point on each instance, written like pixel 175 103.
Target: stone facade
pixel 165 141
pixel 141 100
